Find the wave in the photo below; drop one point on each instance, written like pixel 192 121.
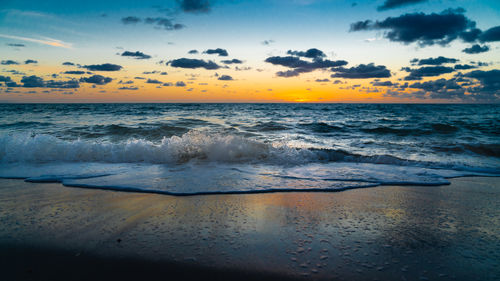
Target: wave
pixel 192 146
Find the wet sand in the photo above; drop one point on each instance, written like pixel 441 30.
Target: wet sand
pixel 52 232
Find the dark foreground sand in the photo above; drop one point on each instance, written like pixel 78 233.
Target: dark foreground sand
pixel 52 232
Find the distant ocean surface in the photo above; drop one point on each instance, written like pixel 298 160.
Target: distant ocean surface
pixel 186 149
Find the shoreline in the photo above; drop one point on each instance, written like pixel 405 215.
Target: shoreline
pixel 447 232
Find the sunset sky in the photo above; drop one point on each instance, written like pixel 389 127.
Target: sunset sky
pixel 250 51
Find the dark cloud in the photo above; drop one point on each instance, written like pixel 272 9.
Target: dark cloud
pixel 103 67
pixel 302 66
pixel 5 78
pixel 128 88
pixel 464 66
pixel 489 82
pixel 130 20
pixel 32 81
pixel 68 63
pixel 476 49
pixel 434 61
pixel 426 71
pixel 425 29
pixel 362 71
pixel 338 82
pixel 225 78
pixel 70 84
pixel 28 61
pixel 136 55
pixel 322 80
pixel 436 85
pixel 192 52
pixel 193 63
pixel 490 35
pixel 96 79
pixel 194 6
pixel 311 53
pixel 382 83
pixel 180 84
pixel 233 61
pixel 288 73
pixel 15 45
pixel 12 84
pixel 74 72
pixel 153 81
pixel 164 23
pixel 471 35
pixel 391 4
pixel 168 84
pixel 218 51
pixel 9 62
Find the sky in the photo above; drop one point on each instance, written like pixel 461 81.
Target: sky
pixel 372 51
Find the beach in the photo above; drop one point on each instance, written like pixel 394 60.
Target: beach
pixel 449 232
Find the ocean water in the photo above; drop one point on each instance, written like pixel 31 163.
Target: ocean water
pixel 186 149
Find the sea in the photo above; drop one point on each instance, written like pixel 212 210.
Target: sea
pixel 190 149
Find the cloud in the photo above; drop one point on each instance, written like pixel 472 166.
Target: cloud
pixel 322 80
pixel 438 89
pixel 136 55
pixel 96 79
pixel 464 66
pixel 267 42
pixel 192 52
pixel 32 81
pixel 16 45
pixel 193 63
pixel 426 71
pixel 434 61
pixel 74 72
pixel 233 61
pixel 70 84
pixel 218 51
pixel 180 84
pixel 302 66
pixel 45 41
pixel 28 61
pixel 382 83
pixel 153 81
pixel 130 20
pixel 425 29
pixel 476 49
pixel 103 67
pixel 311 53
pixel 9 62
pixel 164 23
pixel 490 35
pixel 168 84
pixel 225 78
pixel 489 82
pixel 391 4
pixel 362 71
pixel 68 63
pixel 194 6
pixel 5 78
pixel 128 88
pixel 436 85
